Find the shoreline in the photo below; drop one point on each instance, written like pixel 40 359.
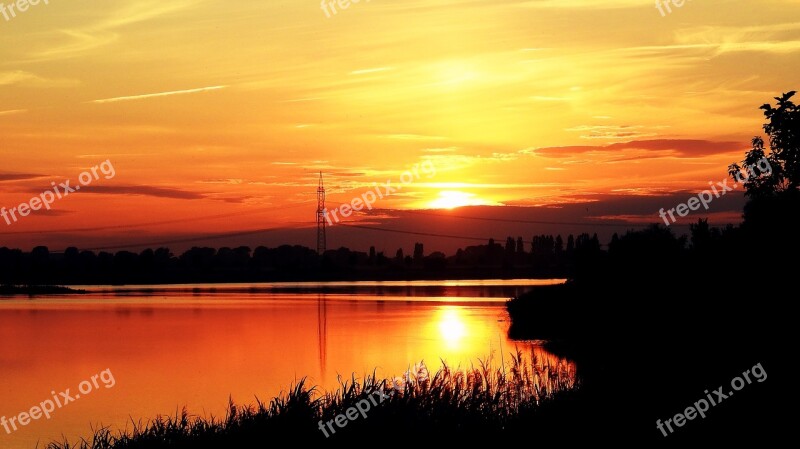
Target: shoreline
pixel 486 401
pixel 37 290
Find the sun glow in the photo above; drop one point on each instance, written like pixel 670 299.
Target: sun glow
pixel 451 199
pixel 452 327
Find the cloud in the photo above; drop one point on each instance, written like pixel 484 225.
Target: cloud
pixel 771 38
pixel 668 147
pixel 27 79
pixel 413 137
pixel 159 94
pixel 163 192
pixel 13 111
pixel 368 71
pixel 610 131
pixel 80 40
pixel 582 4
pixel 229 181
pixel 547 99
pixel 160 192
pixel 18 176
pixel 440 150
pixel 354 174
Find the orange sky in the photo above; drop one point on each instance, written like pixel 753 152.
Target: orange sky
pixel 217 116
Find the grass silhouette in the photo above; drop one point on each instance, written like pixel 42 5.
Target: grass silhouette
pixel 482 400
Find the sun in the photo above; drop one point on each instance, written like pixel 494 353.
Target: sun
pixel 450 199
pixel 452 327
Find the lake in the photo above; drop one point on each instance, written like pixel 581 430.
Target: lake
pixel 136 352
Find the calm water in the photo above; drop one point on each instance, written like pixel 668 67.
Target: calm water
pixel 198 345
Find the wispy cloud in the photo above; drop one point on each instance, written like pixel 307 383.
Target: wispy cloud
pixel 440 150
pixel 13 111
pixel 79 40
pixel 160 192
pixel 772 38
pixel 18 176
pixel 666 147
pixel 28 79
pixel 159 94
pixel 413 137
pixel 229 181
pixel 575 4
pixel 611 131
pixel 546 98
pixel 367 71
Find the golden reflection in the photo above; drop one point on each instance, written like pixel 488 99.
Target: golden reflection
pixel 452 327
pixel 234 347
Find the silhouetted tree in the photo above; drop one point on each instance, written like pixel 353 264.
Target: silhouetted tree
pixel 511 246
pixel 783 161
pixel 701 234
pixel 490 252
pixel 419 252
pixel 435 261
pixel 643 251
pixel 770 215
pixel 40 265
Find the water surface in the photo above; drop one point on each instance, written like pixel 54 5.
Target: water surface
pixel 198 345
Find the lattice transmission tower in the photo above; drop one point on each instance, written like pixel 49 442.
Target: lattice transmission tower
pixel 321 239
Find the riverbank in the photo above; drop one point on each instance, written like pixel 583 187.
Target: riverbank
pixel 35 290
pixel 676 346
pixel 526 396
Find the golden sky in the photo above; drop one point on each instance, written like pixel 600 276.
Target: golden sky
pixel 217 116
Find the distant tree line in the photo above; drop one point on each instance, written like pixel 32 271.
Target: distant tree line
pixel 543 256
pixel 547 256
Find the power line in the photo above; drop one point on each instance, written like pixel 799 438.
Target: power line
pixel 157 223
pixel 185 240
pixel 512 220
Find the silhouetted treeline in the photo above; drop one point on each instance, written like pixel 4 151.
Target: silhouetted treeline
pixel 546 257
pixel 687 313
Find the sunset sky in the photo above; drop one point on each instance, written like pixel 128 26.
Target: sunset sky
pixel 218 116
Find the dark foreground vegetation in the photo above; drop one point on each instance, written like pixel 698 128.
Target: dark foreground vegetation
pixel 34 290
pixel 683 316
pixel 528 395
